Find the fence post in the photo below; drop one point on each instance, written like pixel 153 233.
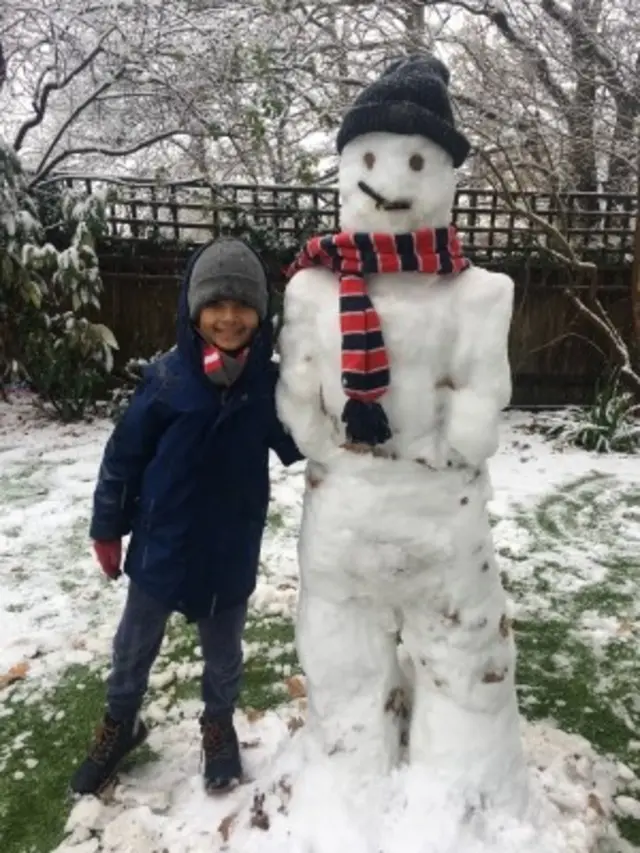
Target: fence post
pixel 133 207
pixel 173 207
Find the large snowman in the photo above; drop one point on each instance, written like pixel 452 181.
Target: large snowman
pixel 394 372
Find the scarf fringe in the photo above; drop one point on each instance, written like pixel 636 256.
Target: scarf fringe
pixel 366 423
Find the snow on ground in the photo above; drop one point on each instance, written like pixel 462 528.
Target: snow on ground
pixel 56 609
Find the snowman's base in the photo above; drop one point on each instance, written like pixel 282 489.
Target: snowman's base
pixel 301 802
pixel 308 803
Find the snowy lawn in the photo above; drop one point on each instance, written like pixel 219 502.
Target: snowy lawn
pixel 567 529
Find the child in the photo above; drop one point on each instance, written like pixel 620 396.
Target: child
pixel 186 472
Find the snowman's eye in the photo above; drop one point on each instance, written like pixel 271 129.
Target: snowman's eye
pixel 416 162
pixel 369 159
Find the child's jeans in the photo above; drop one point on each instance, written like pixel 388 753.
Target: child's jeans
pixel 137 643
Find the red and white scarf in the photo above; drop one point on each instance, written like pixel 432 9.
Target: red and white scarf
pixel 220 367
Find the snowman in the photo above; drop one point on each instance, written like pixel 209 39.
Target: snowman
pixel 394 372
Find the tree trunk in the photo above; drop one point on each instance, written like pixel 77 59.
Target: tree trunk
pixel 414 24
pixel 581 117
pixel 635 280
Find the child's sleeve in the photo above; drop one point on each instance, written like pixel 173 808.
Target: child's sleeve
pixel 285 447
pixel 280 440
pixel 129 450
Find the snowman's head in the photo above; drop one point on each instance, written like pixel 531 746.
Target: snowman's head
pixel 394 183
pixel 399 151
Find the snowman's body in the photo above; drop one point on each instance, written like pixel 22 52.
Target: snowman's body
pixel 397 539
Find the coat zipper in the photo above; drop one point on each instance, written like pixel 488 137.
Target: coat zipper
pixel 232 409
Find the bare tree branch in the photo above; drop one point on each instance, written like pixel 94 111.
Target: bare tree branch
pixel 40 105
pixel 3 67
pixel 71 118
pixel 575 25
pixel 106 152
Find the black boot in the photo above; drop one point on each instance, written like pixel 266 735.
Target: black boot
pixel 222 766
pixel 113 741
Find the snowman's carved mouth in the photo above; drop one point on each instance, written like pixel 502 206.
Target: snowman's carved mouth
pixel 381 201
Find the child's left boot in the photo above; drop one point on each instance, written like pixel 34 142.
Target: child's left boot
pixel 221 750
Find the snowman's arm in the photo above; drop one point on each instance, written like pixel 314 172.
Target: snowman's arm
pixel 481 370
pixel 299 390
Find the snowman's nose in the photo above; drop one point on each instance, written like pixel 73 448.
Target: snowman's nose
pixel 381 201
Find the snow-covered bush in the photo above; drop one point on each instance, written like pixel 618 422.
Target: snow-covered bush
pixel 610 424
pixel 46 292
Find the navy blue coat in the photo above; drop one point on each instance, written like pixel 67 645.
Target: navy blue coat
pixel 186 471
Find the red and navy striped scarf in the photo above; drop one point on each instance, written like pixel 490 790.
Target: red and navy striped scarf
pixel 365 362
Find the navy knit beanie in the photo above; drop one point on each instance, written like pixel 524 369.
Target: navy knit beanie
pixel 411 98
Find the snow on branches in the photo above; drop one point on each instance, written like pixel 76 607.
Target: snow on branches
pixel 255 91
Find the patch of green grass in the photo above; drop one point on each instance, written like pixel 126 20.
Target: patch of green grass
pixel 568 695
pixel 581 672
pixel 562 678
pixel 56 728
pixel 270 656
pixel 275 519
pixel 55 731
pixel 267 666
pixel 77 542
pixel 25 484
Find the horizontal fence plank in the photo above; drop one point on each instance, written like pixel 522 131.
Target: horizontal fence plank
pixel 193 210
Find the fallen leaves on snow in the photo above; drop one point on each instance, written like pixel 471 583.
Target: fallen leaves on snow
pixel 594 802
pixel 226 826
pixel 296 687
pixel 492 677
pixel 626 628
pixel 253 714
pixel 17 673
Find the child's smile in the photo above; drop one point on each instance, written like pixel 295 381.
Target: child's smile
pixel 228 324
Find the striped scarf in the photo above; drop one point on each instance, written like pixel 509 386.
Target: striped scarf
pixel 220 367
pixel 365 363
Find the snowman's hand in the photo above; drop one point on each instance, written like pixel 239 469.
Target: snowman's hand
pixel 480 366
pixel 299 393
pixel 473 425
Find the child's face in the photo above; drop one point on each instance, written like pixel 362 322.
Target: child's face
pixel 228 325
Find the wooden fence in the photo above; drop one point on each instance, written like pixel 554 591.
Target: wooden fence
pixel 599 226
pixel 556 357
